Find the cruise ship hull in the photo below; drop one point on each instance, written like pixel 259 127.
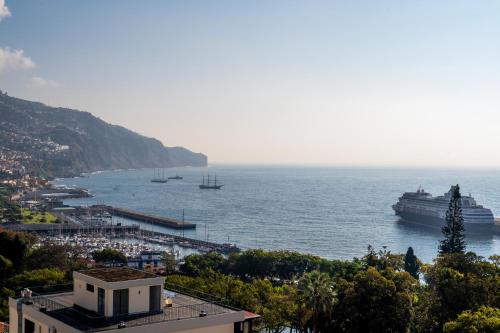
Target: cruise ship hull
pixel 437 222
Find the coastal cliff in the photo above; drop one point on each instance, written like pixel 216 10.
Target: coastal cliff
pixel 61 142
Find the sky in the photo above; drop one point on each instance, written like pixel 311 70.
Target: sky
pixel 385 83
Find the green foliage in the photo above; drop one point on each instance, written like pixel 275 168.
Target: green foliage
pixel 109 255
pixel 195 264
pixel 411 264
pixel 346 269
pixel 14 247
pixel 5 268
pixel 8 209
pixel 278 265
pixel 231 290
pixel 276 304
pixel 16 255
pixel 4 302
pixel 485 320
pixel 456 283
pixel 169 262
pixel 453 231
pixel 382 259
pixel 66 258
pixel 32 217
pixel 317 297
pixel 376 301
pixel 45 279
pixel 279 311
pixel 252 263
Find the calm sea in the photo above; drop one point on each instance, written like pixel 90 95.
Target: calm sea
pixel 327 211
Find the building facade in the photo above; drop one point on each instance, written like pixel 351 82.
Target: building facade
pixel 125 300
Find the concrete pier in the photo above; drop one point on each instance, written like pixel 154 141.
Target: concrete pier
pixel 144 217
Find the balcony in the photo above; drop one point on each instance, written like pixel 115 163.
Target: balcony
pixel 183 306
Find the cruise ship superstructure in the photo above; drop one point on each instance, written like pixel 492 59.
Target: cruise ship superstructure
pixel 422 207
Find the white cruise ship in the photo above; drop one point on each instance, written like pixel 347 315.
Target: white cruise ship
pixel 422 207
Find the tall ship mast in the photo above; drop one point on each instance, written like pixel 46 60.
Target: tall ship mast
pixel 158 179
pixel 421 207
pixel 210 186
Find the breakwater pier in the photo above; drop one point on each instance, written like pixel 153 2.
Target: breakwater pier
pixel 145 217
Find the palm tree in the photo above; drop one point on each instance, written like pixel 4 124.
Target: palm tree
pixel 317 295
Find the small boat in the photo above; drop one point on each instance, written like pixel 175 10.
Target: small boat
pixel 175 177
pixel 209 186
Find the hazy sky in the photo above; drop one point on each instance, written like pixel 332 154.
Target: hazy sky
pixel 296 82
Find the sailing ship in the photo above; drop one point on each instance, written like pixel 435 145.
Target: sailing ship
pixel 175 177
pixel 210 186
pixel 157 178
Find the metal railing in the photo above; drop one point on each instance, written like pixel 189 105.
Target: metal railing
pixel 200 295
pixel 90 322
pixel 46 304
pixel 168 314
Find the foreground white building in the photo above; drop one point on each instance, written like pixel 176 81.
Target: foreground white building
pixel 125 300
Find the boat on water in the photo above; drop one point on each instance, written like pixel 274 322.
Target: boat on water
pixel 176 177
pixel 159 179
pixel 209 185
pixel 421 207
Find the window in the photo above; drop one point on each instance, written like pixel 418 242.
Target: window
pixel 29 326
pixel 90 287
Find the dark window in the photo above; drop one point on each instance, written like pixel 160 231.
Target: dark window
pixel 90 287
pixel 29 326
pixel 100 301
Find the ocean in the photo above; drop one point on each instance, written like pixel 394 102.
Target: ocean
pixel 332 212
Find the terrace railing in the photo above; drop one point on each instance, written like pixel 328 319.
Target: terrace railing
pixel 92 322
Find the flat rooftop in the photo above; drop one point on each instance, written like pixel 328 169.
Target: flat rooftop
pixel 116 274
pixel 61 307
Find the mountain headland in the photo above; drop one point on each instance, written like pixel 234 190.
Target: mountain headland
pixel 61 142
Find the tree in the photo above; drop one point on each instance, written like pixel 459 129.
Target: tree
pixel 39 280
pixel 411 263
pixel 195 264
pixel 383 259
pixel 317 297
pixel 65 257
pixel 453 230
pixel 109 256
pixel 485 320
pixel 5 268
pixel 14 247
pixel 456 283
pixel 169 262
pixel 376 301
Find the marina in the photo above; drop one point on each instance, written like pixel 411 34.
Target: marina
pixel 124 232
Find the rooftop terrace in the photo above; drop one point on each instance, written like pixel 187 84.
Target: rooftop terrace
pixel 61 307
pixel 116 274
